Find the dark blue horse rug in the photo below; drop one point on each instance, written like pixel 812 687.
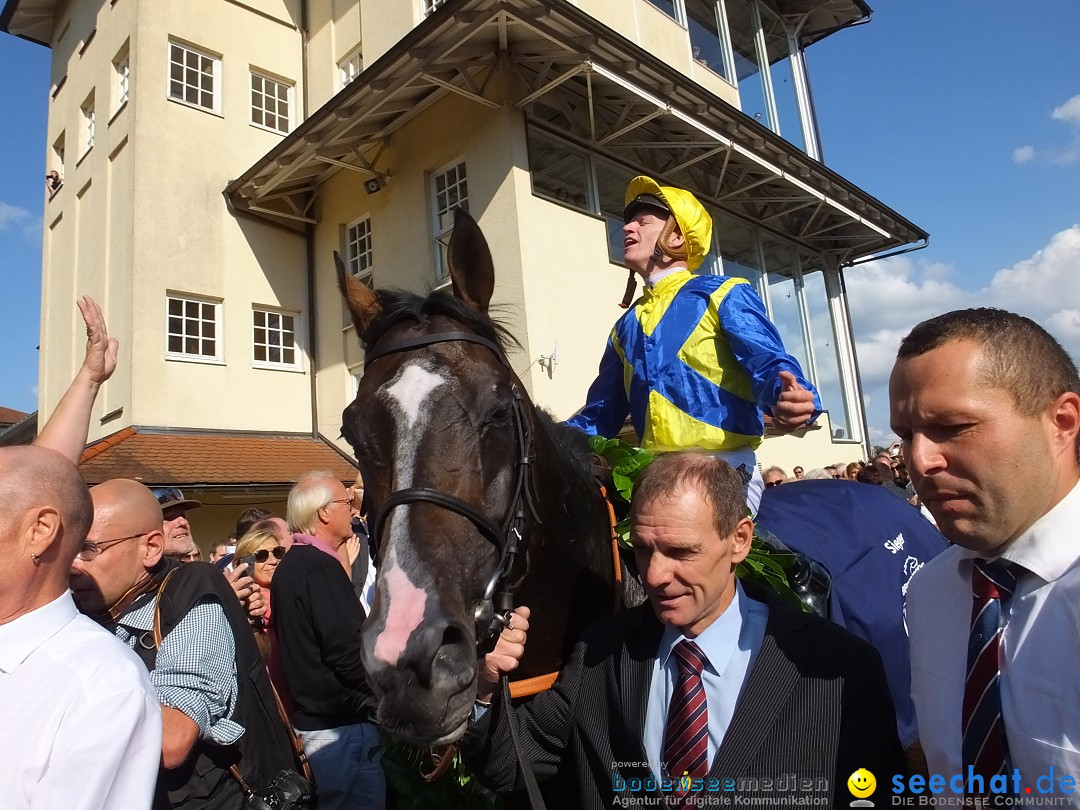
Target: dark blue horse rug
pixel 871 543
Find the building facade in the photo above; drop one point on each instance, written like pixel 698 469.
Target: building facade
pixel 215 153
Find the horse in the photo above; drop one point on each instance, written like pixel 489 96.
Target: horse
pixel 475 493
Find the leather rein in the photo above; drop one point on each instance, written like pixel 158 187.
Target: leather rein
pixel 492 612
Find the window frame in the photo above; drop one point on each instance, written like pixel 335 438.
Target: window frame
pixel 121 65
pixel 440 234
pixel 215 77
pixel 428 7
pixel 278 81
pixel 219 328
pixel 59 152
pixel 366 275
pixel 357 55
pixel 87 125
pixel 297 331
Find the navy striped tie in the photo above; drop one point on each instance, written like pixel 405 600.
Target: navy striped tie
pixel 686 740
pixel 986 748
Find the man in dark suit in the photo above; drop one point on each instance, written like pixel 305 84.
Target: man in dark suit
pixel 712 688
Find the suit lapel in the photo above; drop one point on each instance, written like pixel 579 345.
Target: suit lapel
pixel 763 697
pixel 635 676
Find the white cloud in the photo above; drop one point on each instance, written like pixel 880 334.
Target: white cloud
pixel 1060 155
pixel 890 296
pixel 1069 111
pixel 1024 154
pixel 13 216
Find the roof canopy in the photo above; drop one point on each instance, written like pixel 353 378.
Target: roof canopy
pixel 567 71
pixel 30 19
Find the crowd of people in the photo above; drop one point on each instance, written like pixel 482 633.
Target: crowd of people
pixel 886 469
pixel 134 675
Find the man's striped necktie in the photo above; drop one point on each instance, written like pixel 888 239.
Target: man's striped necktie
pixel 686 740
pixel 985 747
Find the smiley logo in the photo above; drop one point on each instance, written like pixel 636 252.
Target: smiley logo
pixel 862 783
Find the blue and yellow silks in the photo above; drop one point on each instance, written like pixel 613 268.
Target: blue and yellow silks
pixel 694 363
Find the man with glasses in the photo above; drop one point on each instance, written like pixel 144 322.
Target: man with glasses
pixel 317 619
pixel 191 633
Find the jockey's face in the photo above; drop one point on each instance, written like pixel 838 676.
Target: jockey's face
pixel 639 239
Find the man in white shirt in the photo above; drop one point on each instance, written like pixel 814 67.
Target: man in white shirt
pixel 988 407
pixel 82 725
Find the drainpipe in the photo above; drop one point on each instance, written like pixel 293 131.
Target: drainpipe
pixel 309 241
pixel 313 346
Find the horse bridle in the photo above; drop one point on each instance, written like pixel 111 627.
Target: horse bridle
pixel 491 613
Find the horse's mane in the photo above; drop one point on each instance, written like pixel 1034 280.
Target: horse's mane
pixel 399 305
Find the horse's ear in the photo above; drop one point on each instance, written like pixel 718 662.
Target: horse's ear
pixel 361 300
pixel 471 269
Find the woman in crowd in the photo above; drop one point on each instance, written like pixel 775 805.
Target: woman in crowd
pixel 261 549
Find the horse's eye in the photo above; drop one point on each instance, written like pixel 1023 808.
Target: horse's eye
pixel 498 415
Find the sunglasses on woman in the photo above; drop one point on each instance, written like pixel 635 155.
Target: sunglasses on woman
pixel 263 554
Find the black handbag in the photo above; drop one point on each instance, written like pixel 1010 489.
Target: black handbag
pixel 288 790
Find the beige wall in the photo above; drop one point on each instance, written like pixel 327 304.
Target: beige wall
pixel 489 140
pixel 119 229
pixel 813 449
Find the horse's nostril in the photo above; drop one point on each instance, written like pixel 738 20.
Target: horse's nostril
pixel 453 636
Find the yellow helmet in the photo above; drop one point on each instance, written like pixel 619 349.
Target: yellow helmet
pixel 689 214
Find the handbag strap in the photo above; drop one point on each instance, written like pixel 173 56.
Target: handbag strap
pixel 294 738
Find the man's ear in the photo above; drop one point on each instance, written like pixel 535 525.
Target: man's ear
pixel 1063 415
pixel 742 538
pixel 44 526
pixel 154 547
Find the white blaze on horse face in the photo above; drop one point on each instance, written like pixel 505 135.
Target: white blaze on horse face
pixel 406 611
pixel 403 602
pixel 413 385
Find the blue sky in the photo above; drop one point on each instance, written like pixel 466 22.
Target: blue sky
pixel 962 116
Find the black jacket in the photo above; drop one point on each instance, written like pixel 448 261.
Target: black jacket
pixel 265 747
pixel 815 706
pixel 317 619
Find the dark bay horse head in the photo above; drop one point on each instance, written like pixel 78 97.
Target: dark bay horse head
pixel 458 468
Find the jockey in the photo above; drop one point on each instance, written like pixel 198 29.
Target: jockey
pixel 695 360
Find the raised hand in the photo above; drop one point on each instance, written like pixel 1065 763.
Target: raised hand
pixel 100 360
pixel 795 407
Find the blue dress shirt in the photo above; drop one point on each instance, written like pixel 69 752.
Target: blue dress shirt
pixel 731 645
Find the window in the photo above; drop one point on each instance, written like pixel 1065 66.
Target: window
pixel 193 328
pixel 270 103
pixel 274 339
pixel 431 5
pixel 360 259
pixel 705 21
pixel 58 155
pixel 559 172
pixel 122 72
pixel 669 7
pixel 86 141
pixel 449 189
pixel 193 77
pixel 350 67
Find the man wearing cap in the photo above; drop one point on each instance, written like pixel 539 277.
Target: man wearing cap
pixel 174 506
pixel 695 361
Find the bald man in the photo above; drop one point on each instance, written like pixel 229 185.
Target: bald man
pixel 211 715
pixel 82 727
